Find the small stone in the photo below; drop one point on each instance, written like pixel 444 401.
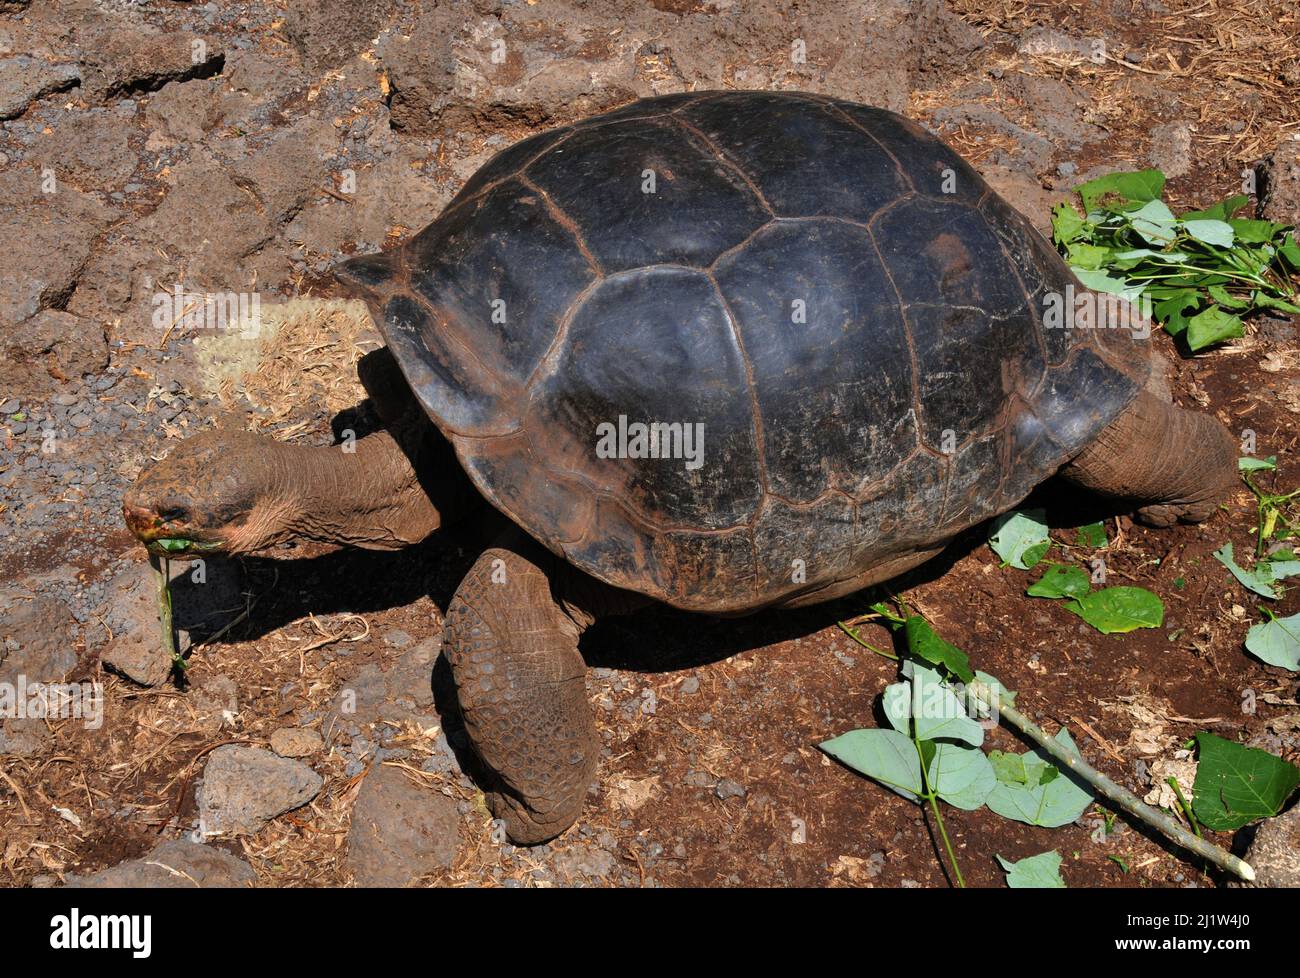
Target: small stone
pixel 175 864
pixel 397 639
pixel 141 661
pixel 400 831
pixel 296 742
pixel 245 787
pixel 1171 148
pixel 37 636
pixel 25 738
pixel 690 685
pixel 726 788
pixel 1275 853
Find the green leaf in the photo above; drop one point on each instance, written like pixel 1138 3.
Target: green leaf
pixel 936 710
pixel 1266 301
pixel 960 775
pixel 1093 535
pixel 1041 872
pixel 886 756
pixel 1087 256
pixel 1009 768
pixel 1067 225
pixel 1143 185
pixel 1212 326
pixel 1289 249
pixel 1042 796
pixel 896 701
pixel 1170 311
pixel 1129 259
pixel 1210 232
pixel 1248 464
pixel 1259 579
pixel 1225 298
pixel 1119 609
pixel 1221 211
pixel 1236 784
pixel 1255 232
pixel 1101 282
pixel 924 643
pixel 1282 568
pixel 1061 581
pixel 1277 642
pixel 173 544
pixel 1154 221
pixel 1020 538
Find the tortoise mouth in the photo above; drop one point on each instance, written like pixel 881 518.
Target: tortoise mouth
pixel 169 538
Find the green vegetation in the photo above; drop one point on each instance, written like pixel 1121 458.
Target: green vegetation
pixel 1201 271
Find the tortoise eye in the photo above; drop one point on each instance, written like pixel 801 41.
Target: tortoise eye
pixel 172 514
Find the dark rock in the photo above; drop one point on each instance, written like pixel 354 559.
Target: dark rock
pixel 399 831
pixel 1275 852
pixel 296 742
pixel 1171 148
pixel 90 149
pixel 206 596
pixel 290 170
pixel 1279 183
pixel 120 60
pixel 35 638
pixel 25 738
pixel 1023 192
pixel 245 787
pixel 45 239
pixel 174 864
pixel 183 110
pixel 141 660
pixel 326 33
pixel 23 80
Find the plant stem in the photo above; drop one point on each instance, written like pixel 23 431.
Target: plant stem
pixel 930 791
pixel 870 648
pixel 1187 809
pixel 1113 792
pixel 162 576
pixel 933 798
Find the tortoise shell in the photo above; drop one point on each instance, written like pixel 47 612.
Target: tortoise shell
pixel 853 316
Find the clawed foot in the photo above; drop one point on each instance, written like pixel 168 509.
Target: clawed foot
pixel 1163 515
pixel 521 825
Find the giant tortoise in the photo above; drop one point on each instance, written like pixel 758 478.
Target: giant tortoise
pixel 721 350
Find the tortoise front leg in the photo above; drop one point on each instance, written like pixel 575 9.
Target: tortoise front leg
pixel 513 650
pixel 1180 464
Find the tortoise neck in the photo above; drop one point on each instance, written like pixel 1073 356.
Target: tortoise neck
pixel 362 493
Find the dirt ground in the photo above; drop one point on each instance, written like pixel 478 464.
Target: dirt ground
pixel 205 173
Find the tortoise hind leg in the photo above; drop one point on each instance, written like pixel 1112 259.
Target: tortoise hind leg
pixel 513 651
pixel 1179 464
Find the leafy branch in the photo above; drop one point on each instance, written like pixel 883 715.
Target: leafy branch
pixel 1202 271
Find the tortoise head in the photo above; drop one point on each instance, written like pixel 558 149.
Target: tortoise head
pixel 214 493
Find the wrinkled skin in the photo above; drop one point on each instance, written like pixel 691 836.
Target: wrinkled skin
pixel 237 493
pixel 197 494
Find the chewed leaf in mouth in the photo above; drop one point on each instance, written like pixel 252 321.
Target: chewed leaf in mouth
pixel 180 545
